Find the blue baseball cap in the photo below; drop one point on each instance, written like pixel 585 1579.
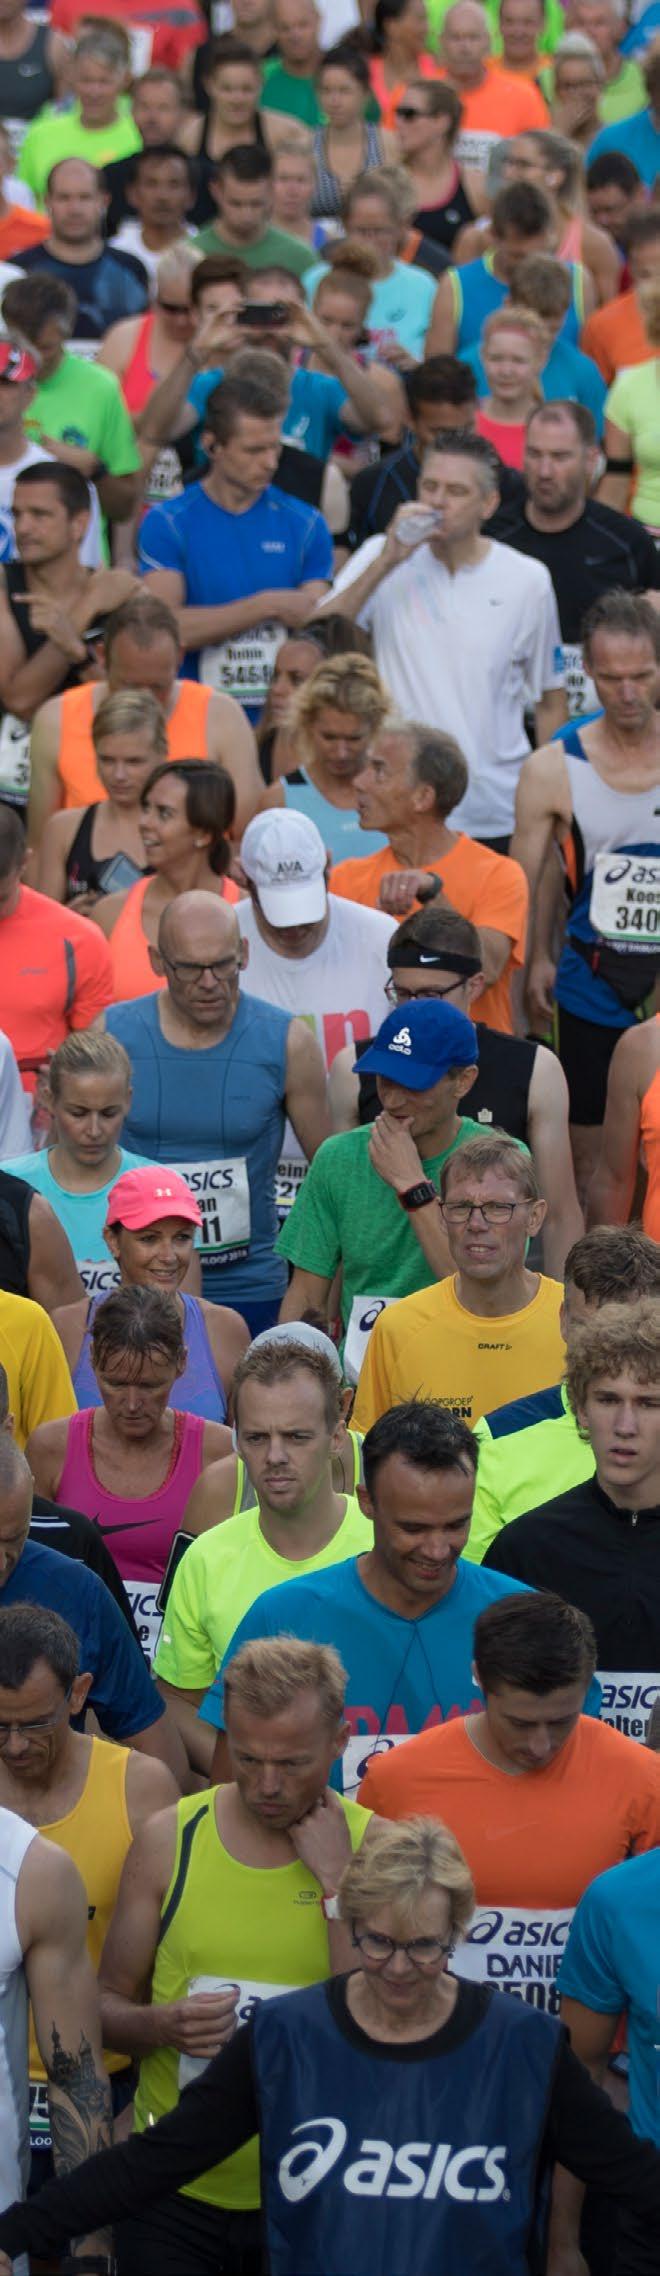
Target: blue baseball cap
pixel 418 1043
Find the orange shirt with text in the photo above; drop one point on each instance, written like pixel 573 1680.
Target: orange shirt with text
pixel 487 887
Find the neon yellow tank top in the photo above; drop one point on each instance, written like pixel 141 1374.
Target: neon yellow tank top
pixel 230 1923
pixel 245 1495
pixel 97 1835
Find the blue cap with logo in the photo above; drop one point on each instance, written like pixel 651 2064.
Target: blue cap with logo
pixel 418 1043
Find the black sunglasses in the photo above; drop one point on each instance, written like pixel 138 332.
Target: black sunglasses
pixel 407 111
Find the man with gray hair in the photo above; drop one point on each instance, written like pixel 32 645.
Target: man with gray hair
pixel 409 783
pixel 494 101
pixel 464 631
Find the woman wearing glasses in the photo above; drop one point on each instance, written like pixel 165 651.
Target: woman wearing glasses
pixel 408 2121
pixel 427 117
pixel 187 807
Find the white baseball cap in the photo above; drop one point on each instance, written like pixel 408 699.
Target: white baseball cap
pixel 284 856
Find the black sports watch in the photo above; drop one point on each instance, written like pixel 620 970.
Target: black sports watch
pixel 432 886
pixel 417 1196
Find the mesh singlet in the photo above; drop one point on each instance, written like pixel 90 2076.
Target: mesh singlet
pixel 328 198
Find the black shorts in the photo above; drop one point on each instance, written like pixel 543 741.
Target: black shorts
pixel 585 1052
pixel 183 2236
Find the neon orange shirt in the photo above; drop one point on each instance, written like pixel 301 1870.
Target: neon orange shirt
pixel 187 737
pixel 650 1133
pixel 132 970
pixel 57 975
pixel 615 336
pixel 20 228
pixel 502 106
pixel 489 888
pixel 507 437
pixel 388 97
pixel 535 1838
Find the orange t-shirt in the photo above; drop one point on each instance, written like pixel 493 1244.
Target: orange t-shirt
pixel 536 1838
pixel 57 975
pixel 187 737
pixel 20 228
pixel 388 97
pixel 615 336
pixel 502 106
pixel 132 970
pixel 649 1123
pixel 489 888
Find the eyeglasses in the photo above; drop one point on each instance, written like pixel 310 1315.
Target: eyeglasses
pixel 422 1951
pixel 41 1728
pixel 493 1212
pixel 420 995
pixel 405 111
pixel 225 973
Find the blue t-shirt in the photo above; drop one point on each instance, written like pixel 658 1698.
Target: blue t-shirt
pixel 401 303
pixel 642 32
pixel 314 417
pixel 112 286
pixel 403 1675
pixel 224 558
pixel 567 373
pixel 611 1963
pixel 637 138
pixel 83 1215
pixel 478 293
pixel 122 1694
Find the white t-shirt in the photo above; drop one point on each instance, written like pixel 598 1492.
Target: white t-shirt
pixel 467 653
pixel 129 239
pixel 90 552
pixel 15 1135
pixel 339 990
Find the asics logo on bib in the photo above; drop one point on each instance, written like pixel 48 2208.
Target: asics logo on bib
pixel 475 2175
pixel 402 1040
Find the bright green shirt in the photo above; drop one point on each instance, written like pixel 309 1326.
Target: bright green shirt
pixel 283 91
pixel 61 135
pixel 277 249
pixel 345 1214
pixel 633 404
pixel 221 1575
pixel 519 1469
pixel 83 404
pixel 553 26
pixel 625 95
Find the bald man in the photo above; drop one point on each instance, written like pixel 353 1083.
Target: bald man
pixel 108 284
pixel 494 103
pixel 221 1117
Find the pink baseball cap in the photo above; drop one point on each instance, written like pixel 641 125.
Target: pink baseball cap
pixel 16 363
pixel 141 1197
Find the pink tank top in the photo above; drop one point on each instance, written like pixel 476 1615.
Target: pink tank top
pixel 139 380
pixel 138 1534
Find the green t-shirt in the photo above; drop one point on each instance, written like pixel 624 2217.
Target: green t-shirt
pixel 346 1215
pixel 519 1470
pixel 632 405
pixel 82 403
pixel 61 135
pixel 277 249
pixel 626 94
pixel 283 91
pixel 221 1575
pixel 552 29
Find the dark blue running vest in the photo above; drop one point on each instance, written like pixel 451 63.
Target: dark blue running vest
pixel 398 2166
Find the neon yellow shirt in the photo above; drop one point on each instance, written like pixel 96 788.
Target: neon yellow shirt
pixel 56 135
pixel 219 1578
pixel 431 1347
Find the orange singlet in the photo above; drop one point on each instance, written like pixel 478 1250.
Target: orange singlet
pixel 187 737
pixel 132 970
pixel 649 1122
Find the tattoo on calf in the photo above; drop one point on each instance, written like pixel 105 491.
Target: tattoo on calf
pixel 79 2100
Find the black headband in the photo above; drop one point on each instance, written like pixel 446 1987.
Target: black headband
pixel 410 958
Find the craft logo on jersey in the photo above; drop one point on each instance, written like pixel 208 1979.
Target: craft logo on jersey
pixel 402 1041
pixel 474 2175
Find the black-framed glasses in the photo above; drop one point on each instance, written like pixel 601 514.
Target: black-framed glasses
pixel 493 1212
pixel 422 1951
pixel 225 971
pixel 421 995
pixel 406 111
pixel 43 1726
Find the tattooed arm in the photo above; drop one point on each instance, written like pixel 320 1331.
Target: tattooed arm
pixel 51 1914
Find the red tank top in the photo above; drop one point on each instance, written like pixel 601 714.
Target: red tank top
pixel 139 1534
pixel 139 380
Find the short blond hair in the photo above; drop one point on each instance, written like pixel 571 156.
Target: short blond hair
pixel 268 1675
pixel 131 711
pixel 349 683
pixel 621 1336
pixel 399 1865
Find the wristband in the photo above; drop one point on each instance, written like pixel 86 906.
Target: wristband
pixel 417 1196
pixel 330 1908
pixel 618 466
pixel 432 886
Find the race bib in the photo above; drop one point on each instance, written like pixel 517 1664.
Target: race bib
pixel 16 130
pixel 222 1192
pixel 142 1597
pixel 516 1951
pixel 141 40
pixel 243 665
pixel 288 1180
pixel 164 479
pixel 473 147
pixel 625 899
pixel 14 759
pixel 628 1700
pixel 365 1310
pixel 97 1276
pixel 580 691
pixel 360 1752
pixel 250 1995
pixel 40 2134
